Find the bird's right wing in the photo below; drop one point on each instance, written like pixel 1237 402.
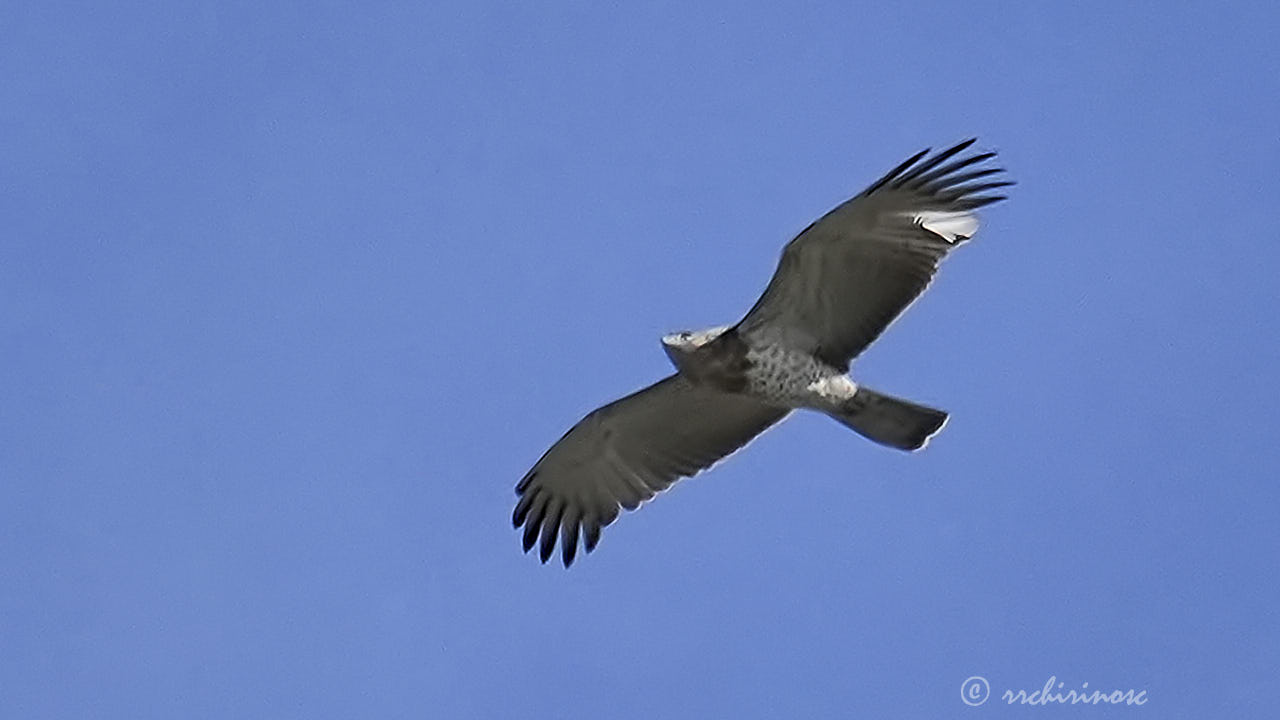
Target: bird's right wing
pixel 628 451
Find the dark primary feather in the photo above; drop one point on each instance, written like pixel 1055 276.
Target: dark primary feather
pixel 847 276
pixel 919 169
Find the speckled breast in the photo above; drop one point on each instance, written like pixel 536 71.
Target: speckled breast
pixel 782 376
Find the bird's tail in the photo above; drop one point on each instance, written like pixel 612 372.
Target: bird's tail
pixel 889 420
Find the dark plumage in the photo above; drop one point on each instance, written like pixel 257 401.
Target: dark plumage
pixel 838 285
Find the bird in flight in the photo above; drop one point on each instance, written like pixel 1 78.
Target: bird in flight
pixel 839 284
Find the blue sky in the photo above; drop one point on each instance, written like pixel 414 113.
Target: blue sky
pixel 291 297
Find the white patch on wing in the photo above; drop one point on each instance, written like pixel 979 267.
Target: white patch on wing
pixel 950 225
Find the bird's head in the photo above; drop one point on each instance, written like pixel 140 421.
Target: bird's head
pixel 680 346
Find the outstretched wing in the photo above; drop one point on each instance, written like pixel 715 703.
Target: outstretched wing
pixel 848 275
pixel 628 451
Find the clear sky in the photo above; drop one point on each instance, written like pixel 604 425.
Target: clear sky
pixel 290 299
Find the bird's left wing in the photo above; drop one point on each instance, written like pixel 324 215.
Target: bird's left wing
pixel 628 451
pixel 847 276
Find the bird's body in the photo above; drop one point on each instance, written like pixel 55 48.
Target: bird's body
pixel 762 366
pixel 780 375
pixel 839 284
